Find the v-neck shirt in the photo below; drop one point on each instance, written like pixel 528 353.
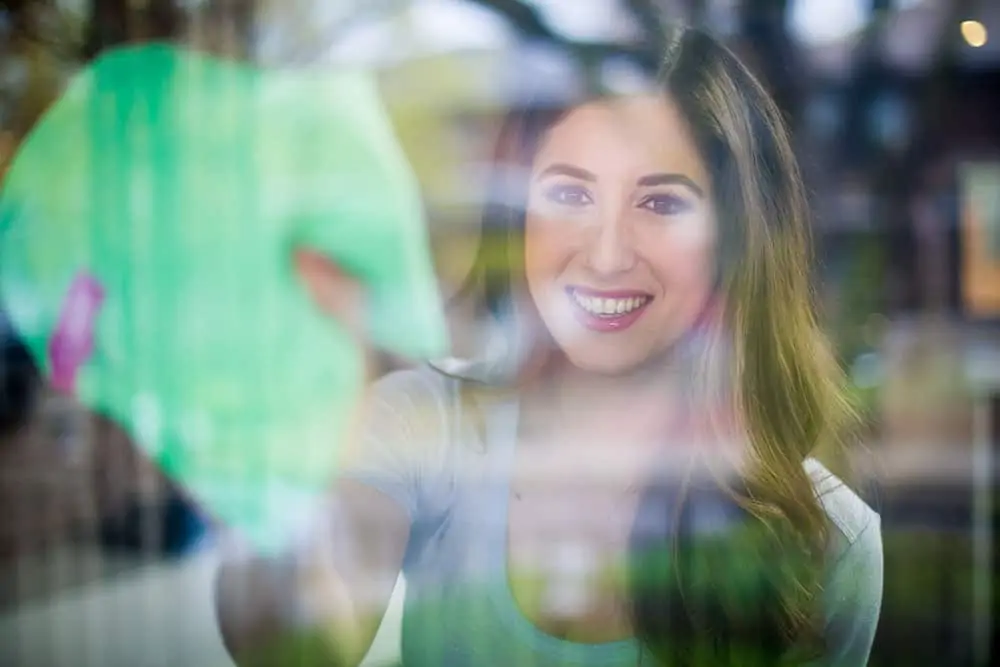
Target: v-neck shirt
pixel 449 467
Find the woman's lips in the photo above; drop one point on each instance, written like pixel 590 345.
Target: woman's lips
pixel 607 311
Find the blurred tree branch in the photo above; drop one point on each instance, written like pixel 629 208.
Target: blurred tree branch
pixel 41 24
pixel 764 31
pixel 112 23
pixel 530 24
pixel 524 17
pixel 650 19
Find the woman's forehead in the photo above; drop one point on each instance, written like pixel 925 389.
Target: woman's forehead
pixel 646 131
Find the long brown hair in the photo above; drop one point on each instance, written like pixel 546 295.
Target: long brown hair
pixel 780 379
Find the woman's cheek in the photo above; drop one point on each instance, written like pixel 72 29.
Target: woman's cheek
pixel 685 248
pixel 690 232
pixel 547 240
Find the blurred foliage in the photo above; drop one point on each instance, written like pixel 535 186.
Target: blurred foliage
pixel 917 577
pixel 860 295
pixel 854 310
pixel 928 597
pixel 37 53
pixel 43 24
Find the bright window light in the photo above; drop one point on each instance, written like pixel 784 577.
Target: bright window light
pixel 817 22
pixel 590 21
pixel 449 25
pixel 974 33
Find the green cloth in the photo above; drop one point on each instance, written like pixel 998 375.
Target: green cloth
pixel 146 229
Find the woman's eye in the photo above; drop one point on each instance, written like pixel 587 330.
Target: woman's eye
pixel 568 195
pixel 665 204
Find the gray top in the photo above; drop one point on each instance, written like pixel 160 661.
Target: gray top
pixel 424 451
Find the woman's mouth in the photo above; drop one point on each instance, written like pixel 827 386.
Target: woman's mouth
pixel 608 311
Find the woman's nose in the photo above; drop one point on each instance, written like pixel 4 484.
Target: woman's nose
pixel 612 247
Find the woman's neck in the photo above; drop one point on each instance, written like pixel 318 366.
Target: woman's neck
pixel 562 396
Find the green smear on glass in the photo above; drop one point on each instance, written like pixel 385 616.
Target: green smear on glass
pixel 180 183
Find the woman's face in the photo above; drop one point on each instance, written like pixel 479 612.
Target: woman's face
pixel 620 232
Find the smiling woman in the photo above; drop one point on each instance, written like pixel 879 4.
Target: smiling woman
pixel 627 475
pixel 655 270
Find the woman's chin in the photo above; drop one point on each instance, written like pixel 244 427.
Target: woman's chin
pixel 611 363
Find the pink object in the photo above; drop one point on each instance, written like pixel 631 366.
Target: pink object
pixel 72 342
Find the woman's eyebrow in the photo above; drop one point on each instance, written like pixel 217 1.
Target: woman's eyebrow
pixel 670 179
pixel 562 169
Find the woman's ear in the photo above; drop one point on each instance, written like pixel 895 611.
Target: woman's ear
pixel 334 292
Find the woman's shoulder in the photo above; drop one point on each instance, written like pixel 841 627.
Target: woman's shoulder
pixel 431 387
pixel 854 580
pixel 421 383
pixel 852 517
pixel 429 403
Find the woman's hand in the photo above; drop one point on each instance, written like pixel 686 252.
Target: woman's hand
pixel 323 602
pixel 338 295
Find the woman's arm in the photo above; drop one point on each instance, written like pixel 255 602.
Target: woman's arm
pixel 855 600
pixel 323 604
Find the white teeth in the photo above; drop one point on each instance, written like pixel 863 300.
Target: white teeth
pixel 605 307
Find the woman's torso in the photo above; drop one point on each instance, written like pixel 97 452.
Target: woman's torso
pixel 493 579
